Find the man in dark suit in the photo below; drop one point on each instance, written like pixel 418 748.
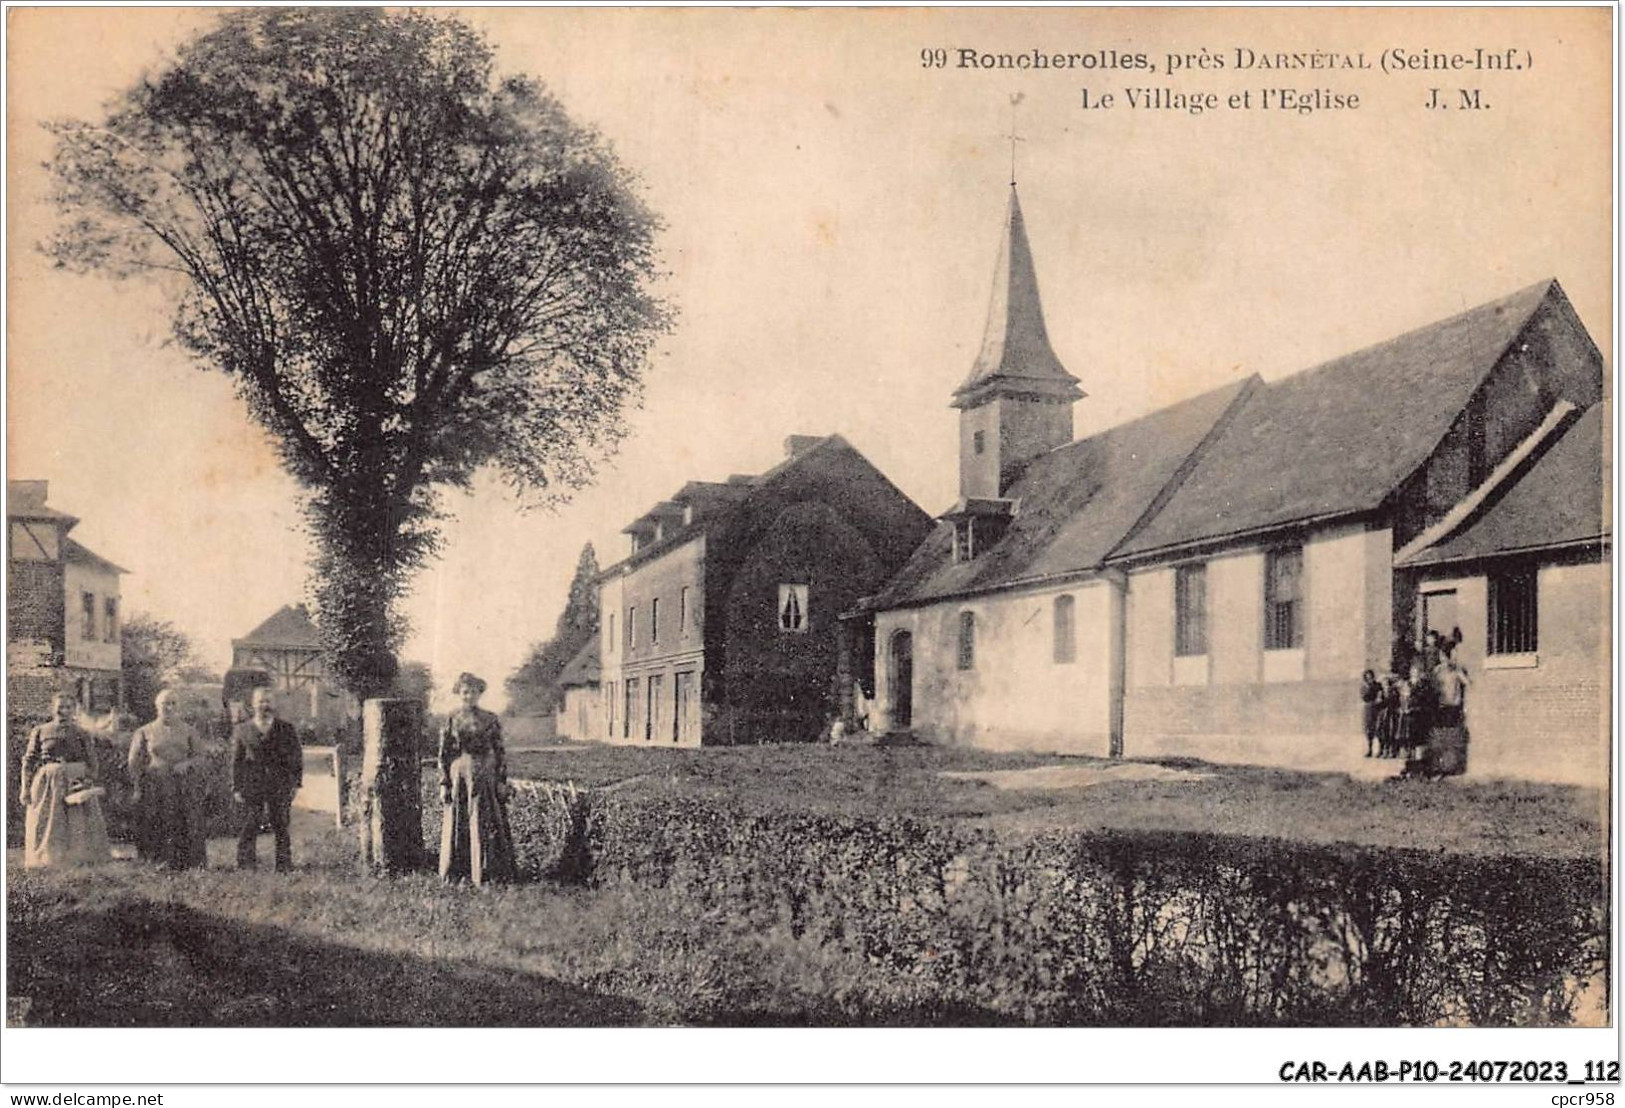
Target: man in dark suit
pixel 267 767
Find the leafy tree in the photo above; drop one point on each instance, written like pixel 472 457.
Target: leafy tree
pixel 156 653
pixel 413 680
pixel 533 688
pixel 410 269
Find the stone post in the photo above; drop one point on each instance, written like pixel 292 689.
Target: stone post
pixel 392 827
pixel 340 790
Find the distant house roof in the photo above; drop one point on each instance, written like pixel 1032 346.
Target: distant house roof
pixel 291 626
pixel 716 502
pixel 1074 504
pixel 584 669
pixel 82 555
pixel 1561 500
pixel 26 500
pixel 1338 439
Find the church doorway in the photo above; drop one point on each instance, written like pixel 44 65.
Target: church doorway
pixel 901 688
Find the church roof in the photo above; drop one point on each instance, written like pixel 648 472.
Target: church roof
pixel 290 626
pixel 1561 500
pixel 1333 441
pixel 1015 346
pixel 585 668
pixel 1339 438
pixel 1074 504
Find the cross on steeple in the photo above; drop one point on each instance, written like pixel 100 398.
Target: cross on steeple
pixel 1014 136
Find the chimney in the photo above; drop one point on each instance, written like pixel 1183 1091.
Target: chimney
pixel 800 444
pixel 27 494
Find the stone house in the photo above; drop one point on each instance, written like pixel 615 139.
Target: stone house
pixel 63 615
pixel 1210 580
pixel 720 626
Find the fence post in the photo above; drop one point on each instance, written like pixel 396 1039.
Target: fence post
pixel 392 832
pixel 339 789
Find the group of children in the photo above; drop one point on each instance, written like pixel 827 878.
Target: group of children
pixel 1402 712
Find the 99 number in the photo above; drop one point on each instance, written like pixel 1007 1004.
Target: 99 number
pixel 933 58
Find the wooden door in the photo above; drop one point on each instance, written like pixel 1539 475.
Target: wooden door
pixel 902 681
pixel 654 708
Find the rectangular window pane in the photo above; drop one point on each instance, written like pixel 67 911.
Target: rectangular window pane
pixel 1283 599
pixel 682 611
pixel 1190 610
pixel 1514 614
pixel 967 640
pixel 1066 630
pixel 87 621
pixel 654 620
pixel 793 608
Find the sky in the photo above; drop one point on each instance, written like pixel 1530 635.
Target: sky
pixel 833 204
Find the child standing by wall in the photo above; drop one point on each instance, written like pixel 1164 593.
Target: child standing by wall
pixel 1371 708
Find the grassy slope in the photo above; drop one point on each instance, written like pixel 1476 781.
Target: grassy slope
pixel 1458 815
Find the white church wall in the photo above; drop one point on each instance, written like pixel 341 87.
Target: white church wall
pixel 1016 695
pixel 1295 707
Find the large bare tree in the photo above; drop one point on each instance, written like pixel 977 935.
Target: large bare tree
pixel 410 268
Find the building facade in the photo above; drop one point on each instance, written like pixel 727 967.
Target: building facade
pixel 63 611
pixel 721 625
pixel 1210 580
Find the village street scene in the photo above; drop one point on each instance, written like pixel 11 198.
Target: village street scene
pixel 883 547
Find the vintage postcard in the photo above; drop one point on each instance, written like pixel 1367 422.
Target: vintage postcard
pixel 1090 518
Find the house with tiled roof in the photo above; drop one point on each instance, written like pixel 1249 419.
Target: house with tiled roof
pixel 1211 579
pixel 286 647
pixel 580 712
pixel 63 618
pixel 721 625
pixel 1524 568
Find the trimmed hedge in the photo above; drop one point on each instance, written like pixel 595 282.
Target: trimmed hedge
pixel 1083 927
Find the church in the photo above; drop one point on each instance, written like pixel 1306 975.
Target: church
pixel 1211 579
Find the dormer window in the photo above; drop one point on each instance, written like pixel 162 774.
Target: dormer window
pixel 979 524
pixel 964 540
pixel 688 514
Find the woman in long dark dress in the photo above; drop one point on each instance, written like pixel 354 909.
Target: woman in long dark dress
pixel 475 842
pixel 167 770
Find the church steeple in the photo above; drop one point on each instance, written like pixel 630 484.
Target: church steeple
pixel 1017 401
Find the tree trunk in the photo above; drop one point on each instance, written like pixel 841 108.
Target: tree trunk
pixel 358 571
pixel 392 824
